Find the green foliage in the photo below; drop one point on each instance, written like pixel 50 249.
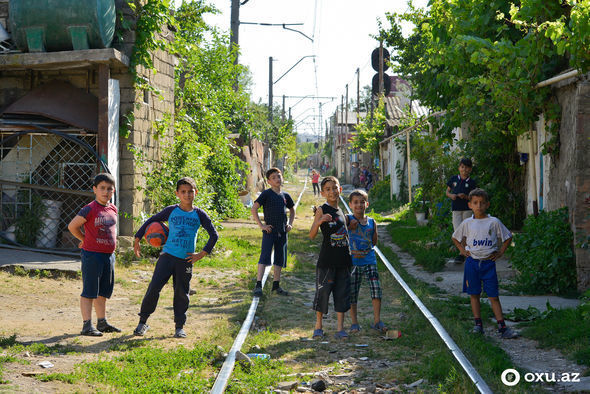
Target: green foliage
pixel 370 131
pixel 29 219
pixel 379 200
pixel 543 254
pixel 480 62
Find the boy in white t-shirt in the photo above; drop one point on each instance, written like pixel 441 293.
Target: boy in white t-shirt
pixel 477 239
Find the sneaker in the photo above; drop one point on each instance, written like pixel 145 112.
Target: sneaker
pixel 90 331
pixel 477 329
pixel 379 326
pixel 318 333
pixel 509 334
pixel 141 329
pixel 104 326
pixel 179 333
pixel 192 292
pixel 257 292
pixel 279 290
pixel 355 328
pixel 341 335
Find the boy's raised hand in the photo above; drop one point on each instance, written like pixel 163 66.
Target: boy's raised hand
pixel 353 224
pixel 194 257
pixel 326 217
pixel 136 247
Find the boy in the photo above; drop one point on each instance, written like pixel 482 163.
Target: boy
pixel 97 244
pixel 334 262
pixel 178 255
pixel 477 239
pixel 458 188
pixel 274 232
pixel 363 236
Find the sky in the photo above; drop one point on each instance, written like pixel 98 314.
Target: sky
pixel 342 42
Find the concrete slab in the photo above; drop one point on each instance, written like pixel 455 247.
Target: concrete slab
pixel 34 260
pixel 539 302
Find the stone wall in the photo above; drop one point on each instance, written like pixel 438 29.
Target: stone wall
pixel 566 176
pixel 147 108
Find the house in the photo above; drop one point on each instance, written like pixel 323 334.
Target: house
pixel 64 92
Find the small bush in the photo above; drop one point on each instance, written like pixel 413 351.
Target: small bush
pixel 543 254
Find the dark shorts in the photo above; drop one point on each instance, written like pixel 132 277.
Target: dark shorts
pixel 370 272
pixel 478 271
pixel 278 242
pixel 335 281
pixel 98 274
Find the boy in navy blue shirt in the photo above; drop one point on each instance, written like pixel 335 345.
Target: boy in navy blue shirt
pixel 458 189
pixel 178 255
pixel 274 232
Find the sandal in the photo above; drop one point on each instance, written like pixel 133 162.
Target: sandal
pixel 379 326
pixel 341 335
pixel 318 333
pixel 355 328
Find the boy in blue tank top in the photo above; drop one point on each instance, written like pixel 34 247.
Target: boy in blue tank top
pixel 178 255
pixel 363 236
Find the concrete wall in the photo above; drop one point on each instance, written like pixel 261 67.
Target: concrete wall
pixel 563 180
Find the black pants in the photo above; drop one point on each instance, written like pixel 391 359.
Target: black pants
pixel 316 186
pixel 181 272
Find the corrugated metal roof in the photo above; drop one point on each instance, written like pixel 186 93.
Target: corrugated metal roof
pixel 351 117
pixel 396 107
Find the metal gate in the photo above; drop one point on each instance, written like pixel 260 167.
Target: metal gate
pixel 45 178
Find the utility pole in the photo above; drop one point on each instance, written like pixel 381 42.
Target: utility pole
pixel 270 89
pixel 283 107
pixel 358 95
pixel 235 32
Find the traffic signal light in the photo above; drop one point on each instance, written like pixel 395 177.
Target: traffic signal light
pixel 386 78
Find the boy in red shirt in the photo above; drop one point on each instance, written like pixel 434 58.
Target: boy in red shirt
pixel 97 242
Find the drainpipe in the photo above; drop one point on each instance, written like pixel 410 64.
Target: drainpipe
pixel 557 78
pixel 533 169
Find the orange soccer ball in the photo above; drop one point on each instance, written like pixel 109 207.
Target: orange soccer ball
pixel 156 234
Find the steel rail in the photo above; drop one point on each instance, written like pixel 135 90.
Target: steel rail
pixel 228 365
pixel 455 350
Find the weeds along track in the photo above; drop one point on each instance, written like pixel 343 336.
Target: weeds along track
pixel 228 365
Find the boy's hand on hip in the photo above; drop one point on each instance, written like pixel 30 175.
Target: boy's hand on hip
pixel 463 196
pixel 496 255
pixel 136 247
pixel 194 257
pixel 267 228
pixel 80 244
pixel 453 197
pixel 465 252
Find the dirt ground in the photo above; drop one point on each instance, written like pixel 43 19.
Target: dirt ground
pixel 46 310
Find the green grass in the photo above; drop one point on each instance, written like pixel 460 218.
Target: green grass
pixel 426 244
pixel 563 329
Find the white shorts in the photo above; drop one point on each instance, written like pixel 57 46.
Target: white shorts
pixel 459 216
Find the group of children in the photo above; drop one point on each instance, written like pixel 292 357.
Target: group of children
pixel 346 253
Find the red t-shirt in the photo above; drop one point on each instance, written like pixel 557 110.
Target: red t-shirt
pixel 100 229
pixel 315 178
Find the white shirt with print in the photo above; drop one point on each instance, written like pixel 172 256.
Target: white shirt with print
pixel 482 235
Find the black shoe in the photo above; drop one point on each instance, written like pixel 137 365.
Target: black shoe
pixel 179 333
pixel 91 331
pixel 279 290
pixel 141 329
pixel 257 292
pixel 106 327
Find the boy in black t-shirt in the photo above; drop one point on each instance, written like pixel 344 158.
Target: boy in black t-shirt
pixel 274 232
pixel 458 189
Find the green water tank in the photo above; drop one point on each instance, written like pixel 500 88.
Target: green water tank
pixel 62 25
